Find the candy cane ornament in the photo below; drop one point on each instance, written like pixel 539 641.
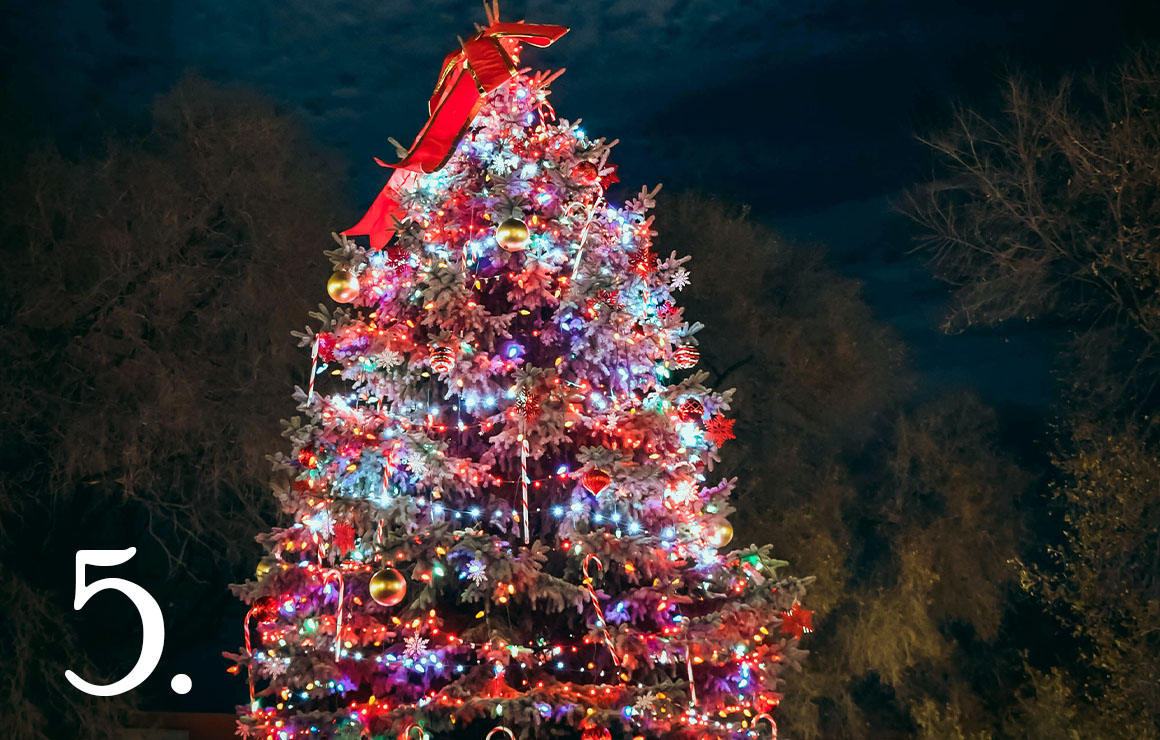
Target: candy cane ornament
pixel 412 727
pixel 772 724
pixel 524 480
pixel 589 558
pixel 313 370
pixel 511 735
pixel 335 573
pixel 249 651
pixel 692 684
pixel 584 231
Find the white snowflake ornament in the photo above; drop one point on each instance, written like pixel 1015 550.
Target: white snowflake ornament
pixel 644 703
pixel 477 572
pixel 387 358
pixel 415 647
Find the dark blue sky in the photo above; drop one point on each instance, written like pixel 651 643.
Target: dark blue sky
pixel 804 109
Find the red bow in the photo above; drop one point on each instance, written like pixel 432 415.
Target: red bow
pixel 483 63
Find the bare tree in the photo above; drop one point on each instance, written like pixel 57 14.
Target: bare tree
pixel 1052 210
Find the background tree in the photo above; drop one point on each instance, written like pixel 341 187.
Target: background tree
pixel 815 375
pixel 1049 210
pixel 143 371
pixel 1105 575
pixel 904 511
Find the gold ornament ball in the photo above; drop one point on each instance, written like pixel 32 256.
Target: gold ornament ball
pixel 388 587
pixel 343 286
pixel 720 533
pixel 512 234
pixel 265 565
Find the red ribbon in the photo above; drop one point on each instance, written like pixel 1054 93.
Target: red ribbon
pixel 484 62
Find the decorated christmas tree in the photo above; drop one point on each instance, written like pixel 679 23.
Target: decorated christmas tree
pixel 501 511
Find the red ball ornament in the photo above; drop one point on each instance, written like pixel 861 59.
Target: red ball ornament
pixel 586 172
pixel 595 481
pixel 691 409
pixel 442 359
pixel 686 356
pixel 265 609
pixel 595 732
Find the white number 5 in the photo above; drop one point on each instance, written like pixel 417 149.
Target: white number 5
pixel 152 623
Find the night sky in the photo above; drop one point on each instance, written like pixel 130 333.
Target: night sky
pixel 804 109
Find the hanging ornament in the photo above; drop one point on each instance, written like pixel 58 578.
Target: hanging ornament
pixel 335 575
pixel 644 703
pixel 388 587
pixel 610 298
pixel 512 234
pixel 691 409
pixel 342 286
pixel 601 621
pixel 442 359
pixel 265 609
pixel 595 732
pixel 686 356
pixel 415 648
pixel 586 172
pixel 719 533
pixel 772 724
pixel 642 260
pixel 325 345
pixel 307 458
pixel 414 732
pixel 797 621
pixel 527 405
pixel 720 430
pixel 265 565
pixel 343 539
pixel 611 176
pixel 525 520
pixel 595 481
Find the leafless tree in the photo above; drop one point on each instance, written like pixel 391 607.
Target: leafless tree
pixel 1051 210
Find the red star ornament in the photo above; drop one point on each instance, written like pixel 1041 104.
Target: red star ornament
pixel 719 429
pixel 343 537
pixel 797 621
